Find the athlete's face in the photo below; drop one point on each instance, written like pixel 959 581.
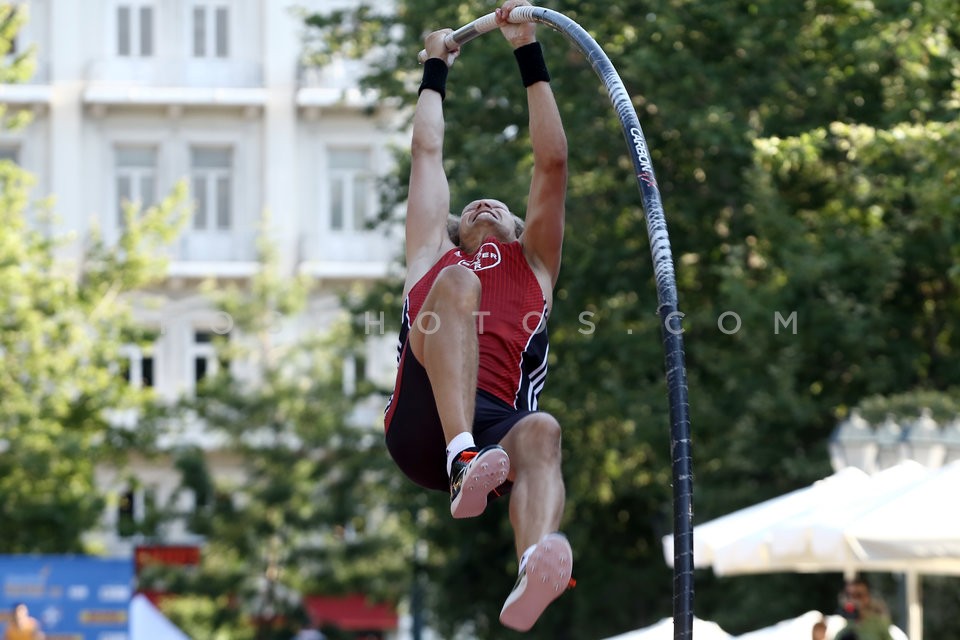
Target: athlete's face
pixel 486 217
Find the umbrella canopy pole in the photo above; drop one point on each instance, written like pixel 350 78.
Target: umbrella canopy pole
pixel 914 606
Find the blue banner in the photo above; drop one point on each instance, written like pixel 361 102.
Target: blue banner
pixel 72 597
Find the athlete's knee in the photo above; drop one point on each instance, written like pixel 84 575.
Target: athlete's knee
pixel 541 435
pixel 458 285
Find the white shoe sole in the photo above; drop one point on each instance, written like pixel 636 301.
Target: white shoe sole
pixel 485 473
pixel 546 577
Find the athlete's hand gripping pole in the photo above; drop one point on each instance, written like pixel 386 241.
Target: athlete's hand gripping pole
pixel 480 26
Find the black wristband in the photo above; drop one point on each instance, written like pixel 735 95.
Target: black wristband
pixel 533 68
pixel 435 77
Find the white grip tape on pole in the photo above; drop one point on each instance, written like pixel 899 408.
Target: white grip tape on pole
pixel 479 27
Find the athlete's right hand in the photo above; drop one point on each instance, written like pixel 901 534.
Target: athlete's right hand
pixel 437 48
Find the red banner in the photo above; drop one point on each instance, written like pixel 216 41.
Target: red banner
pixel 165 555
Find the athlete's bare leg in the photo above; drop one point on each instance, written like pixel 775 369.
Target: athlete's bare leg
pixel 537 496
pixel 536 507
pixel 444 340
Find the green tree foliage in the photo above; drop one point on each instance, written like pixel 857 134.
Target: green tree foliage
pixel 17 67
pixel 60 378
pixel 61 330
pixel 314 515
pixel 806 154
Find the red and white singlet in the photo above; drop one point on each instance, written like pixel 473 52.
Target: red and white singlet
pixel 511 322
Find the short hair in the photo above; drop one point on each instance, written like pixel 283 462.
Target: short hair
pixel 859 580
pixel 453 227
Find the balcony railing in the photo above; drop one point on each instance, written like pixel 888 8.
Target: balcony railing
pixel 176 72
pixel 216 246
pixel 333 84
pixel 349 253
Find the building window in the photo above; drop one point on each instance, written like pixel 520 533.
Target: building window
pixel 210 171
pixel 134 30
pixel 137 366
pixel 354 373
pixel 13 11
pixel 351 189
pixel 127 513
pixel 206 363
pixel 10 153
pixel 204 356
pixel 137 512
pixel 211 31
pixel 136 171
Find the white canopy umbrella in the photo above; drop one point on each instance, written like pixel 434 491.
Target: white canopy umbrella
pixel 900 520
pixel 825 535
pixel 920 525
pixel 712 540
pixel 799 628
pixel 796 628
pixel 148 623
pixel 663 630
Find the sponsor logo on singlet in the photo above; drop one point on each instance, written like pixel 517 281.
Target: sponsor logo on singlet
pixel 487 257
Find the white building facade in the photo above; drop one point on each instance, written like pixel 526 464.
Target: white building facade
pixel 132 96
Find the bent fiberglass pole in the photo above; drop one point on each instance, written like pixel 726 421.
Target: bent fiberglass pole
pixel 670 316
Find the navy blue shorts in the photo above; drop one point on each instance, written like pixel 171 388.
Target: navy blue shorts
pixel 414 434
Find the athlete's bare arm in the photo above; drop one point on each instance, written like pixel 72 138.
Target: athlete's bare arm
pixel 543 238
pixel 428 203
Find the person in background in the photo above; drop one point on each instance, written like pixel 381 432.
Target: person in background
pixel 867 618
pixel 22 625
pixel 819 630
